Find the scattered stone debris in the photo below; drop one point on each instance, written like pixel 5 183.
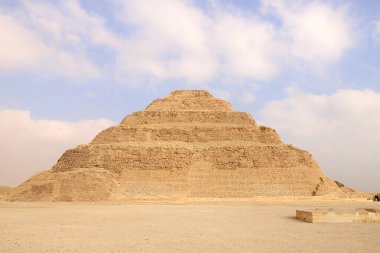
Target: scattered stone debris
pixel 4 192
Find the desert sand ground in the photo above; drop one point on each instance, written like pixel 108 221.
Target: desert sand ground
pixel 121 227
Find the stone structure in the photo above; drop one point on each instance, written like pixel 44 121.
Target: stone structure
pixel 188 145
pixel 363 215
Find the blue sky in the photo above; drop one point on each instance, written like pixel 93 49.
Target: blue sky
pixel 309 69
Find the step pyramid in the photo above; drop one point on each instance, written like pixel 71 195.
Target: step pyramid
pixel 186 145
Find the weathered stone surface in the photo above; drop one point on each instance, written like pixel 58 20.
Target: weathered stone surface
pixel 187 145
pixel 4 192
pixel 331 215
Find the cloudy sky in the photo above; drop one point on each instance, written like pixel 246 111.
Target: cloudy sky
pixel 309 69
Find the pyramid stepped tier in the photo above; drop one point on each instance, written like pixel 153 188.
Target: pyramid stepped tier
pixel 187 133
pixel 186 145
pixel 189 101
pixel 180 117
pixel 177 156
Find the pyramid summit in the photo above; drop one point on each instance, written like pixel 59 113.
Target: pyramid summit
pixel 188 145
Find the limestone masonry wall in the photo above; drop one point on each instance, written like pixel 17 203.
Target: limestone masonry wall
pixel 186 145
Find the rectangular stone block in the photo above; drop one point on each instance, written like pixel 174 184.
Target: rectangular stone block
pixel 339 216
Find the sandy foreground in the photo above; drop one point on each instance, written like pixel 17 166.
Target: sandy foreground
pixel 116 227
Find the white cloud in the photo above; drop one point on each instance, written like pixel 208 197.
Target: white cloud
pixel 50 39
pixel 316 31
pixel 247 98
pixel 249 47
pixel 176 39
pixel 179 40
pixel 29 145
pixel 19 47
pixel 341 130
pixel 169 42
